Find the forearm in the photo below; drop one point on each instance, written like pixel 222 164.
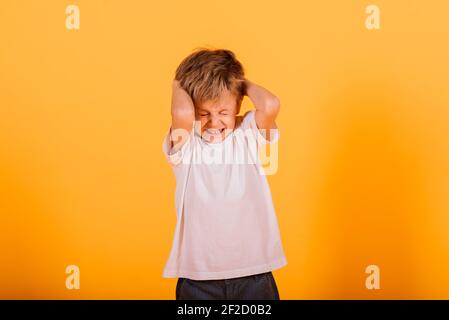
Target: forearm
pixel 181 104
pixel 183 115
pixel 261 98
pixel 267 105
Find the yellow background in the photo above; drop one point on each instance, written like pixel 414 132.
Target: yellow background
pixel 364 156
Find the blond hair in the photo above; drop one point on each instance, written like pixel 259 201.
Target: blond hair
pixel 206 73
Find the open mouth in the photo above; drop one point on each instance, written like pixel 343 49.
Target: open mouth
pixel 215 131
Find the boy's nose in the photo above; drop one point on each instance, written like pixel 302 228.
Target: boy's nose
pixel 214 122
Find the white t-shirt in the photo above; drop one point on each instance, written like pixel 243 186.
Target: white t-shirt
pixel 226 223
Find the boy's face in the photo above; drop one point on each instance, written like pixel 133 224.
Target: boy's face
pixel 217 117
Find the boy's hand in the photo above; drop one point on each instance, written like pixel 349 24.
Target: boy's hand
pixel 183 115
pixel 267 107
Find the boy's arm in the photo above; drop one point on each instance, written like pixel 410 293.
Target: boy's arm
pixel 267 107
pixel 183 116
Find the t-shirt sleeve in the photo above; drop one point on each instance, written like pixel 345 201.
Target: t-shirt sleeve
pixel 249 123
pixel 175 157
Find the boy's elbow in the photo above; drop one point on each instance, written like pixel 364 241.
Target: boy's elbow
pixel 272 106
pixel 183 113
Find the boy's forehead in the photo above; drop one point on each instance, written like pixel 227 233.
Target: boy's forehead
pixel 226 100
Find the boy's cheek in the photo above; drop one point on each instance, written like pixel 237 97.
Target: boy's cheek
pixel 231 123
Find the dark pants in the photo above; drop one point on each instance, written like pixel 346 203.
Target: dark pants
pixel 255 287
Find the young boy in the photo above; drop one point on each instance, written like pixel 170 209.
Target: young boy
pixel 227 240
